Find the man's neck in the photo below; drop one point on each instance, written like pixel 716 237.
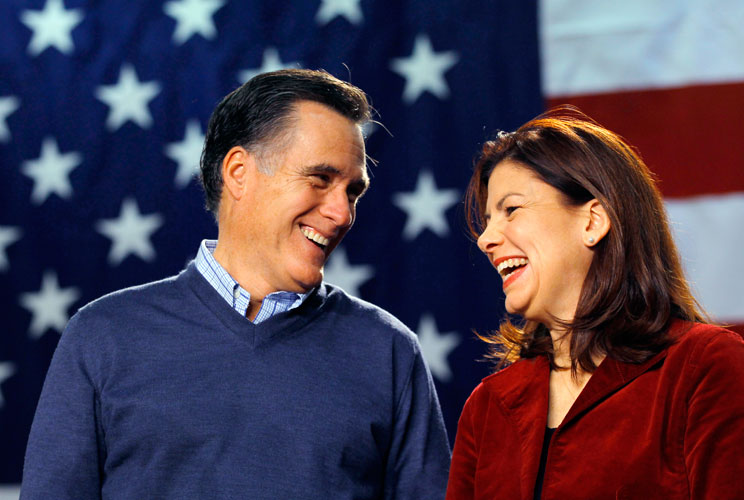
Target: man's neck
pixel 227 260
pixel 254 306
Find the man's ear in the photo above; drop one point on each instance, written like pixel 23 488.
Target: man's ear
pixel 238 168
pixel 597 223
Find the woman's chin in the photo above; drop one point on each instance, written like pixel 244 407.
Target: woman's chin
pixel 512 308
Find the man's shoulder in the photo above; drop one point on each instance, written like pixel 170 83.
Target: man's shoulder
pixel 120 319
pixel 364 314
pixel 119 304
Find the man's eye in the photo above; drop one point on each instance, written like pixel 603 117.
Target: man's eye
pixel 321 178
pixel 354 195
pixel 510 210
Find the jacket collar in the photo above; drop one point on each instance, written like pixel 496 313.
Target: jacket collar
pixel 609 377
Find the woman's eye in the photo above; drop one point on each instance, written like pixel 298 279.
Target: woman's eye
pixel 510 210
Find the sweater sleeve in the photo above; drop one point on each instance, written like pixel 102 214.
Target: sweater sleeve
pixel 419 456
pixel 714 435
pixel 464 457
pixel 64 455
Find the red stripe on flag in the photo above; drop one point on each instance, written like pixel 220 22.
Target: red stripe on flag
pixel 690 137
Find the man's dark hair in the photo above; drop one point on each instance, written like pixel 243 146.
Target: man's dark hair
pixel 258 116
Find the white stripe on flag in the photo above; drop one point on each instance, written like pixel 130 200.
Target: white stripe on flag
pixel 593 47
pixel 710 237
pixel 10 491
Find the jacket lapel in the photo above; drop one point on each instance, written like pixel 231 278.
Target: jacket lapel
pixel 524 394
pixel 609 377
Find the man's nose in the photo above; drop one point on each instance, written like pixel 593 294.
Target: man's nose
pixel 337 207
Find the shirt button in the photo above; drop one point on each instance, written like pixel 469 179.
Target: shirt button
pixel 236 293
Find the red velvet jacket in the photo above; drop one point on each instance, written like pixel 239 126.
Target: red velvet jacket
pixel 672 427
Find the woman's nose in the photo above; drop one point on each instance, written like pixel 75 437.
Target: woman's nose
pixel 490 238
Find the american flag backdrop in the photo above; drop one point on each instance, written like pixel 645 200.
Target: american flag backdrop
pixel 104 103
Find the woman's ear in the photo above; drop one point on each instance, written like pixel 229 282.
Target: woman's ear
pixel 597 223
pixel 237 168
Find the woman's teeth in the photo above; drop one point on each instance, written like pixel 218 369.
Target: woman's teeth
pixel 313 236
pixel 509 263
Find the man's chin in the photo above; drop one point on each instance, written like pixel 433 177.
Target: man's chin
pixel 308 282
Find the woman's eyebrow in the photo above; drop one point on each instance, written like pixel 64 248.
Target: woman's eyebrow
pixel 500 203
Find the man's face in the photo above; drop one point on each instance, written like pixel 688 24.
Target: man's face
pixel 293 219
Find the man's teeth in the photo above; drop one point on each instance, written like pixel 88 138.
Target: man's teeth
pixel 313 236
pixel 510 263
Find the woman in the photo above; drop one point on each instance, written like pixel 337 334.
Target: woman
pixel 617 387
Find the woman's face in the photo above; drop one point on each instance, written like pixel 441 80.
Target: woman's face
pixel 536 242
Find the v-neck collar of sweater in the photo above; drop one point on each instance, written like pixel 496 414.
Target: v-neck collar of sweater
pixel 255 334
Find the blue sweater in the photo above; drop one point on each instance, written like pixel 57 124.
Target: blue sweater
pixel 164 391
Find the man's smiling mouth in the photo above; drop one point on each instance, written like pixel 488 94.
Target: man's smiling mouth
pixel 315 237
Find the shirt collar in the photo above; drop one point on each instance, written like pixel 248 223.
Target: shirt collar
pixel 237 296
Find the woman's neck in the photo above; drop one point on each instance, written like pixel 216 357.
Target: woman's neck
pixel 565 384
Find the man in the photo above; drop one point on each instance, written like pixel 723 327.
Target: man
pixel 245 376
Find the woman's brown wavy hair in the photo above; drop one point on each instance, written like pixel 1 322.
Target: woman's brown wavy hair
pixel 635 285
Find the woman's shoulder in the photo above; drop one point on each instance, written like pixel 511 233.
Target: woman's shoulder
pixel 509 382
pixel 701 343
pixel 688 335
pixel 516 370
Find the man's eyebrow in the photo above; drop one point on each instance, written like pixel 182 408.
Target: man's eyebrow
pixel 500 203
pixel 322 168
